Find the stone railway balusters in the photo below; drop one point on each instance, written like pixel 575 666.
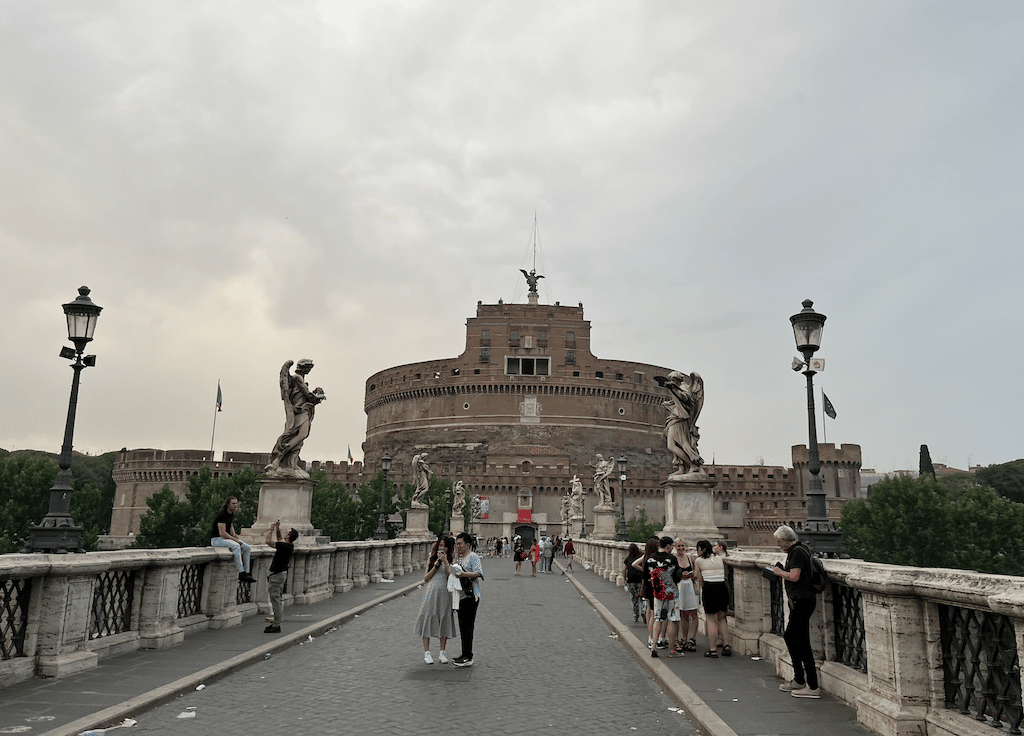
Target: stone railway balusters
pixel 79 608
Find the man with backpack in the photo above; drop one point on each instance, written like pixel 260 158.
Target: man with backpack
pixel 802 595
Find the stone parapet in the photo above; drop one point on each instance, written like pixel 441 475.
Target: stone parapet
pixel 885 637
pixel 78 609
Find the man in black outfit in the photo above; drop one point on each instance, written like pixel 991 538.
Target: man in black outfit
pixel 802 598
pixel 279 573
pixel 469 601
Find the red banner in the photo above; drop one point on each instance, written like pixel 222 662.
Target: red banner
pixel 525 516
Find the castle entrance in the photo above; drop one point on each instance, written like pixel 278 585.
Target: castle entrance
pixel 527 532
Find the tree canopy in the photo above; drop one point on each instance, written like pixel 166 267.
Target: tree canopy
pixel 26 477
pixel 187 522
pixel 954 522
pixel 1006 478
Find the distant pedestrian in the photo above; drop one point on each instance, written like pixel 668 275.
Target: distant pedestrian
pixel 518 555
pixel 689 602
pixel 570 550
pixel 223 535
pixel 534 557
pixel 498 545
pixel 278 572
pixel 802 599
pixel 710 574
pixel 549 554
pixel 436 618
pixel 469 601
pixel 633 578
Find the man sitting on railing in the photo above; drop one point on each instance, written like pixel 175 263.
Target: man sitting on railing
pixel 224 536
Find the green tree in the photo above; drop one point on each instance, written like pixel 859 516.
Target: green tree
pixel 1007 479
pixel 952 523
pixel 25 481
pixel 640 527
pixel 924 463
pixel 341 515
pixel 188 522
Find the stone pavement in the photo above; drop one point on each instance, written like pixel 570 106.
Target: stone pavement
pixel 724 696
pixel 546 664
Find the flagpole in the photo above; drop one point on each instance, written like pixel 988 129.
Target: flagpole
pixel 824 426
pixel 216 409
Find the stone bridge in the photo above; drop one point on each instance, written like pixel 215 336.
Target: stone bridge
pixel 910 650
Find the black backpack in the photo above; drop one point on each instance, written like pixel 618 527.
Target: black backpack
pixel 819 575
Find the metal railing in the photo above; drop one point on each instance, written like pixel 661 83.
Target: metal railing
pixel 980 667
pixel 190 590
pixel 14 599
pixel 848 623
pixel 777 606
pixel 112 600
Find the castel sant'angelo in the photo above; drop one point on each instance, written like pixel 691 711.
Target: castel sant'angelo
pixel 523 409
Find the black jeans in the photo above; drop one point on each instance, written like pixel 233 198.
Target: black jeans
pixel 467 622
pixel 798 641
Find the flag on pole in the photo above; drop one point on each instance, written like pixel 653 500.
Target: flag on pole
pixel 350 453
pixel 829 409
pixel 220 397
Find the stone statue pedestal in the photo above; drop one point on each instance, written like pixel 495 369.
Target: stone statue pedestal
pixel 604 523
pixel 689 510
pixel 458 525
pixel 416 524
pixel 287 499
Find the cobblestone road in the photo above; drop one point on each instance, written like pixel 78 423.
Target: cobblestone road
pixel 545 664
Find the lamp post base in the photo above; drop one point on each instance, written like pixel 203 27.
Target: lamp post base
pixel 54 539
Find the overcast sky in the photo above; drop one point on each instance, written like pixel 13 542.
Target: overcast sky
pixel 243 183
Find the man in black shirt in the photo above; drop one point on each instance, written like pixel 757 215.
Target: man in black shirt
pixel 223 535
pixel 802 598
pixel 278 572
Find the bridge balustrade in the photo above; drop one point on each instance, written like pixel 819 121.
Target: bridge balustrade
pixel 59 614
pixel 913 650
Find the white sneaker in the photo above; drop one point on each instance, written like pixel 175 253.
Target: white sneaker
pixel 442 657
pixel 427 658
pixel 806 692
pixel 790 685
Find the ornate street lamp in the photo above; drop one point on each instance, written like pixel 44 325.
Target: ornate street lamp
pixel 622 535
pixel 382 529
pixel 819 533
pixel 57 531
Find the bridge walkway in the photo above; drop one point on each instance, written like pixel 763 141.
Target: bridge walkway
pixel 548 662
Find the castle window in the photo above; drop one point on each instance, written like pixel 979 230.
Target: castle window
pixel 513 338
pixel 725 505
pixel 618 376
pixel 373 386
pixel 575 374
pixel 485 356
pixel 639 378
pixel 570 357
pixel 527 366
pixel 599 374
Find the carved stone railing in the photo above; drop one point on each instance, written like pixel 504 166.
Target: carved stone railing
pixel 913 650
pixel 59 614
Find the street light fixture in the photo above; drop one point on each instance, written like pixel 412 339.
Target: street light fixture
pixel 57 531
pixel 382 529
pixel 583 512
pixel 820 534
pixel 622 535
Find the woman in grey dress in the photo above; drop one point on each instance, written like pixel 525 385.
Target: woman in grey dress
pixel 436 618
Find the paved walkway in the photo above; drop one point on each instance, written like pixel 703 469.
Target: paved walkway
pixel 546 664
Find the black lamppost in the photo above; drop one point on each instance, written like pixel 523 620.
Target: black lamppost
pixel 819 533
pixel 382 529
pixel 622 535
pixel 57 531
